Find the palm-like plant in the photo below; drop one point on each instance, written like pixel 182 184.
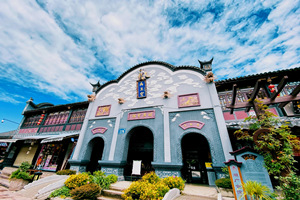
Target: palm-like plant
pixel 256 190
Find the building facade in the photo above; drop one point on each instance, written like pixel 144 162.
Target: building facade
pixel 168 117
pixel 171 120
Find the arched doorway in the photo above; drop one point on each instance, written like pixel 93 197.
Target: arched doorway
pixel 140 148
pixel 96 147
pixel 195 153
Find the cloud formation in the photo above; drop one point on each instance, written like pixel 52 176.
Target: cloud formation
pixel 58 47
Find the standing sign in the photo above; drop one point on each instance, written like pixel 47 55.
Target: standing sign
pixel 236 179
pixel 136 167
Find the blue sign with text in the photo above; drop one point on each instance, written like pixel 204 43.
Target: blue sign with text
pixel 141 89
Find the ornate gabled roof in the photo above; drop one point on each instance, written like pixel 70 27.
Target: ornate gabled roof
pixel 171 67
pixel 55 108
pixel 250 80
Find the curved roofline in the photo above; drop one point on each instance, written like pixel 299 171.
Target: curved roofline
pixel 220 82
pixel 169 66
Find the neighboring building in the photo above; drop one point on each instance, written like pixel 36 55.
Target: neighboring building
pixel 172 119
pixel 47 135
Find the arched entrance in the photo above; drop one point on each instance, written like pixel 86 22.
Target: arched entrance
pixel 140 148
pixel 96 147
pixel 195 153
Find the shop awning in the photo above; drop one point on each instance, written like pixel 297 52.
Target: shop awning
pixel 60 137
pixel 8 140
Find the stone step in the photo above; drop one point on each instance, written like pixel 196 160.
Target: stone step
pixel 112 193
pixel 4 176
pixel 107 198
pixel 4 182
pixel 117 188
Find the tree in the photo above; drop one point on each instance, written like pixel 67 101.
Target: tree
pixel 276 143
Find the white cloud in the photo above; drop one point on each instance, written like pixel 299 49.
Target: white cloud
pixel 60 46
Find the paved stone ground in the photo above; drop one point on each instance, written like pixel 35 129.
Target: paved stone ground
pixel 5 194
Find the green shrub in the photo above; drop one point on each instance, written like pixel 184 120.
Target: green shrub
pixel 18 174
pixel 66 172
pixel 224 183
pixel 99 173
pixel 152 187
pixel 290 186
pixel 88 191
pixel 135 190
pixel 62 192
pixel 161 189
pixel 151 178
pixel 174 182
pixel 78 180
pixel 112 178
pixel 25 166
pixel 102 181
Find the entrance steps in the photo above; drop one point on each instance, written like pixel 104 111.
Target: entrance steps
pixel 115 191
pixel 5 174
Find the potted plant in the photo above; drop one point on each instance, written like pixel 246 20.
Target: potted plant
pixel 20 178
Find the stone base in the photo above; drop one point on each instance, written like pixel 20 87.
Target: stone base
pixel 17 184
pixel 116 168
pixel 167 169
pixel 78 165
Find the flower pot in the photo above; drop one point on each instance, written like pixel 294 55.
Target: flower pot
pixel 17 184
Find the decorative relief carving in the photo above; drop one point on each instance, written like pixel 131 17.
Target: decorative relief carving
pixel 99 130
pixel 103 110
pixel 191 124
pixel 188 100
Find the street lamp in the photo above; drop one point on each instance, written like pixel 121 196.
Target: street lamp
pixel 3 120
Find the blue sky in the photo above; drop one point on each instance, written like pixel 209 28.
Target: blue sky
pixel 51 50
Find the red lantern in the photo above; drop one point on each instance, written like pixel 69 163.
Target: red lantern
pixel 272 90
pixel 271 86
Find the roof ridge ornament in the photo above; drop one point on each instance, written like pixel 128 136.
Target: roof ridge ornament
pixel 206 65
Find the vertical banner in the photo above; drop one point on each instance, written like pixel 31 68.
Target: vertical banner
pixel 236 179
pixel 141 89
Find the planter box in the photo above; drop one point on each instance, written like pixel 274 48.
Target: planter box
pixel 226 192
pixel 17 184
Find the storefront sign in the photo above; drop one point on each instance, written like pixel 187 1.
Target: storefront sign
pixel 103 110
pixel 188 100
pixel 99 130
pixel 191 124
pixel 141 115
pixel 141 89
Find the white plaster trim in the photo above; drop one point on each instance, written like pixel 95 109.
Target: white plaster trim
pixel 114 139
pixel 167 139
pixel 224 136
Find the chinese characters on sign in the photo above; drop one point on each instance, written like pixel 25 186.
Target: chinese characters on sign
pixel 99 130
pixel 103 110
pixel 236 180
pixel 188 100
pixel 141 89
pixel 191 124
pixel 141 115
